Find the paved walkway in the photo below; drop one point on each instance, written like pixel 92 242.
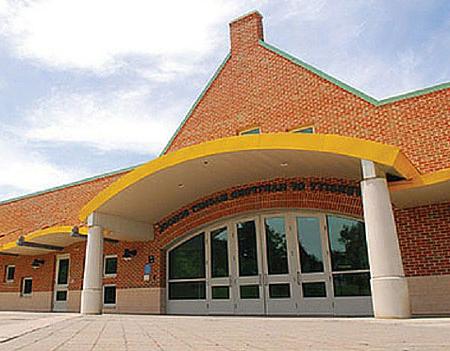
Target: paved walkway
pixel 131 332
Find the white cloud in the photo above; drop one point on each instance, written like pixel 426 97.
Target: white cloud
pixel 127 120
pixel 24 170
pixel 372 46
pixel 99 35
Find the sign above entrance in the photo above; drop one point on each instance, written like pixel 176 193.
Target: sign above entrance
pixel 267 187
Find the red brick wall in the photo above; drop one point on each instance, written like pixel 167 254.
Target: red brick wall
pixel 53 208
pixel 258 87
pixel 130 273
pixel 424 235
pixel 42 277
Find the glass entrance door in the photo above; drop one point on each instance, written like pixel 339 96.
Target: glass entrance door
pixel 277 272
pixel 248 283
pixel 61 290
pixel 291 263
pixel 313 276
pixel 220 288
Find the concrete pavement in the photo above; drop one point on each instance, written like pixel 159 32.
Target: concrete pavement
pixel 140 332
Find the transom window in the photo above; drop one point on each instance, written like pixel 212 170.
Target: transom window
pixel 9 274
pixel 110 265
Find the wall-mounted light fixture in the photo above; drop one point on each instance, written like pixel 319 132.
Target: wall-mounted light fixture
pixel 129 254
pixel 37 263
pixel 75 233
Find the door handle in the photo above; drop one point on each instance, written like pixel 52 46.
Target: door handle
pixel 298 278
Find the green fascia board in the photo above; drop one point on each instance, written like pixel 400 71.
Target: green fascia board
pixel 415 93
pixel 78 182
pixel 347 87
pixel 197 101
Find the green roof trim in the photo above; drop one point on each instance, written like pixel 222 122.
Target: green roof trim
pixel 316 71
pixel 197 101
pixel 78 182
pixel 414 93
pixel 347 87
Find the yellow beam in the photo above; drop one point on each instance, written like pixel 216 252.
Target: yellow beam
pixel 427 179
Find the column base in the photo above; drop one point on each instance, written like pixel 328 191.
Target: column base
pixel 390 297
pixel 91 301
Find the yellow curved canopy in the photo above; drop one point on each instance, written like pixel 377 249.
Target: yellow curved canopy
pixel 57 235
pixel 387 156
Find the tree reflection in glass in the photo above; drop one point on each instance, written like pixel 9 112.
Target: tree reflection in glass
pixel 277 259
pixel 348 244
pixel 219 253
pixel 248 256
pixel 310 245
pixel 188 260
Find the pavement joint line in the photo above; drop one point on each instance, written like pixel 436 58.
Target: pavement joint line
pixel 50 333
pixel 99 335
pixel 76 333
pixel 51 321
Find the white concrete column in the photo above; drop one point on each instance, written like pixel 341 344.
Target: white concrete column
pixel 91 295
pixel 390 294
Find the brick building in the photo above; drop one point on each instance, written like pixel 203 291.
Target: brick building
pixel 284 191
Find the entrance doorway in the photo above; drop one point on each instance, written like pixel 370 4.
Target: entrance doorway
pixel 61 290
pixel 272 264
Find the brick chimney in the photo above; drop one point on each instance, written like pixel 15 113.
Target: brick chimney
pixel 246 31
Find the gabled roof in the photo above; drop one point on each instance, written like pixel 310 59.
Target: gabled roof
pixel 310 68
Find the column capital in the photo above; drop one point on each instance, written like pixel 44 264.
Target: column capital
pixel 368 169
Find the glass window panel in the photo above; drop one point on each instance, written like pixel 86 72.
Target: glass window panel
pixel 277 260
pixel 347 243
pixel 310 244
pixel 63 271
pixel 279 291
pixel 27 286
pixel 219 253
pixel 220 292
pixel 249 291
pixel 188 260
pixel 316 289
pixel 10 271
pixel 187 291
pixel 309 130
pixel 248 255
pixel 109 295
pixel 110 265
pixel 61 296
pixel 251 131
pixel 351 284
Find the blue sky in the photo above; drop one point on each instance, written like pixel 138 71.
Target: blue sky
pixel 88 87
